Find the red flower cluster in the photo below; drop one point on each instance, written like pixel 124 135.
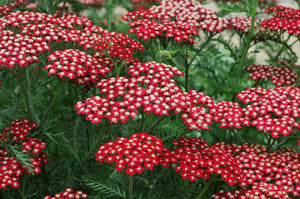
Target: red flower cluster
pixel 178 19
pixel 284 19
pixel 280 76
pixel 37 31
pixel 152 88
pixel 6 9
pixel 21 50
pixel 10 167
pixel 229 114
pixel 242 23
pixel 194 106
pixel 68 194
pixel 274 175
pixel 123 96
pixel 190 12
pixel 141 151
pixel 147 24
pixel 76 64
pixel 273 110
pixel 195 159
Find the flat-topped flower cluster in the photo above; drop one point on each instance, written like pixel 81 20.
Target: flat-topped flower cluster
pixel 255 171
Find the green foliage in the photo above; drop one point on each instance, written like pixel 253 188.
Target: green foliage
pixel 108 190
pixel 246 6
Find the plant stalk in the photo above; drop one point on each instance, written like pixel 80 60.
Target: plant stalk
pixel 130 186
pixel 206 187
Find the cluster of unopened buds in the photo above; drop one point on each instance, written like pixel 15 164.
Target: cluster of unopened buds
pixel 16 136
pixel 279 75
pixel 68 194
pixel 141 151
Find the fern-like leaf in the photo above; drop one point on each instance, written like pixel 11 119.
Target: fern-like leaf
pixel 108 191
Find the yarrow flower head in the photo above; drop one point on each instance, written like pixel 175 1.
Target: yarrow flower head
pixel 141 151
pixel 76 64
pixel 266 175
pixel 15 137
pixel 229 114
pixel 195 159
pixel 180 20
pixel 242 23
pixel 151 88
pixel 68 194
pixel 273 110
pixel 284 20
pixel 37 32
pixel 279 75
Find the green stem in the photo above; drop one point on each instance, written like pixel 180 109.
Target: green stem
pixel 26 92
pixel 206 187
pixel 13 98
pixel 186 75
pixel 202 47
pixel 235 135
pixel 130 186
pixel 281 49
pixel 182 181
pixel 109 9
pixel 155 124
pixel 51 104
pixel 63 8
pixel 249 39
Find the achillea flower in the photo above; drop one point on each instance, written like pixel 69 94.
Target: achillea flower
pixel 38 31
pixel 141 151
pixel 274 175
pixel 76 64
pixel 180 20
pixel 6 9
pixel 147 24
pixel 68 194
pixel 10 166
pixel 118 45
pixel 151 88
pixel 21 50
pixel 190 12
pixel 284 20
pixel 273 110
pixel 195 159
pixel 242 23
pixel 279 76
pixel 229 114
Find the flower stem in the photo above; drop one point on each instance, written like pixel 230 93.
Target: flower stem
pixel 130 186
pixel 206 187
pixel 249 39
pixel 12 97
pixel 51 104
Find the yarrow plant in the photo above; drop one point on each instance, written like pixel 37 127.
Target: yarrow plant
pixel 20 154
pixel 173 105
